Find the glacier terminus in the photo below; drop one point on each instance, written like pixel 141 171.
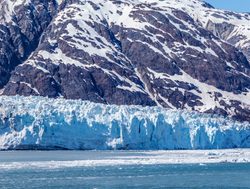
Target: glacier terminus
pixel 43 123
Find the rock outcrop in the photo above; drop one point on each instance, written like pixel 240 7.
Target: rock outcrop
pixel 175 54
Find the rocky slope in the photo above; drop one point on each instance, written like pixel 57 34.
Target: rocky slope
pixel 176 54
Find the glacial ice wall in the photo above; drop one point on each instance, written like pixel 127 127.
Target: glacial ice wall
pixel 43 123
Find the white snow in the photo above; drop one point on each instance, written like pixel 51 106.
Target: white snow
pixel 81 35
pixel 109 11
pixel 27 122
pixel 207 92
pixel 8 8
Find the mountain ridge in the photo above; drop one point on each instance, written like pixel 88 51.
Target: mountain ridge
pixel 132 52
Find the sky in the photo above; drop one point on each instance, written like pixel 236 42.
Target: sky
pixel 234 5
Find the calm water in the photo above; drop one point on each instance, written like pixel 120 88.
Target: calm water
pixel 54 170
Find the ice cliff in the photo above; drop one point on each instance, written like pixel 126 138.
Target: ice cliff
pixel 43 123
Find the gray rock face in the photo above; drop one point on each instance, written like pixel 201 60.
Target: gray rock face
pixel 20 36
pixel 229 26
pixel 127 52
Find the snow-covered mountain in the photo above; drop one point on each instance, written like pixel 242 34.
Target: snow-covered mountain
pixel 179 54
pixel 42 123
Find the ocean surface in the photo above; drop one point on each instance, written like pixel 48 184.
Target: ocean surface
pixel 114 169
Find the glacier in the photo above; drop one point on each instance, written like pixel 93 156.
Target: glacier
pixel 44 123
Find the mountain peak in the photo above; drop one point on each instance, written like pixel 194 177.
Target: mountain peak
pixel 176 54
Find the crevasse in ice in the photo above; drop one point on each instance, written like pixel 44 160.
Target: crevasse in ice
pixel 43 123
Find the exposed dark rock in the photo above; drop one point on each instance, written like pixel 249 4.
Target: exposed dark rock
pixel 137 53
pixel 20 37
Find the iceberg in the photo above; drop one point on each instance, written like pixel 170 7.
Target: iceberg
pixel 44 123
